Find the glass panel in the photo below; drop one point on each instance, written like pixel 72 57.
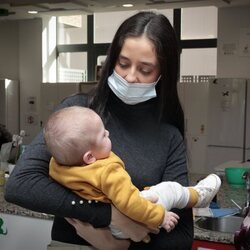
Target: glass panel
pixel 198 64
pixel 49 49
pixel 105 27
pixel 72 67
pixel 199 23
pixel 72 29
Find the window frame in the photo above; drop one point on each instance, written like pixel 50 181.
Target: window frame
pixel 94 50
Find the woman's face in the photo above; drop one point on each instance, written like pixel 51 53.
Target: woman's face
pixel 137 62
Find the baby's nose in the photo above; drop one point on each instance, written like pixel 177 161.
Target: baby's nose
pixel 107 132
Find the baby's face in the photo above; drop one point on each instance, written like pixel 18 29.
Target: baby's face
pixel 103 144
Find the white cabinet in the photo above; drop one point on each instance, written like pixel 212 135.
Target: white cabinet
pixel 9 105
pixel 226 113
pixel 195 108
pixel 194 100
pixel 197 153
pixel 228 121
pixel 53 93
pixel 25 233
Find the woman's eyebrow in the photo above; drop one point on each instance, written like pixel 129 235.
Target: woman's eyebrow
pixel 149 64
pixel 121 57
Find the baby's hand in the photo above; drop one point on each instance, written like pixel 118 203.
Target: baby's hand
pixel 170 221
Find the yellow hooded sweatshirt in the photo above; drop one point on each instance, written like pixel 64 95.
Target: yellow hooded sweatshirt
pixel 106 180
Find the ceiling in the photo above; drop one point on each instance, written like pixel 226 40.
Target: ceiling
pixel 18 9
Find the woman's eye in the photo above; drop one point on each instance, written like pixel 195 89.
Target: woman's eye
pixel 145 71
pixel 123 65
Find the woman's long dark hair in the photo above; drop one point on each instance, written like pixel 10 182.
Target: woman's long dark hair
pixel 157 28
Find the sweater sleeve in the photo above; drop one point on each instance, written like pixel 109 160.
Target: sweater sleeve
pixel 117 185
pixel 29 186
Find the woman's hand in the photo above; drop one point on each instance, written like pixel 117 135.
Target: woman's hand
pixel 100 238
pixel 134 230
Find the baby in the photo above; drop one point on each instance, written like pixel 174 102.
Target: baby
pixel 82 161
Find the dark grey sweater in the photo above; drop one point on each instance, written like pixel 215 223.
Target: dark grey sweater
pixel 152 152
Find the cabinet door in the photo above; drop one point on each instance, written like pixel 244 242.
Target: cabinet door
pixel 194 98
pixel 196 153
pixel 24 233
pixel 195 108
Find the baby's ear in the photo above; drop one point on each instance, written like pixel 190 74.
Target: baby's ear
pixel 89 158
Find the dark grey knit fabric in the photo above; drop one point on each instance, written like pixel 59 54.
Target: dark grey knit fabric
pixel 152 152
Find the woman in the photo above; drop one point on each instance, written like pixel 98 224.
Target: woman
pixel 137 99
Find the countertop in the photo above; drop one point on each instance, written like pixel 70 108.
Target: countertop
pixel 224 197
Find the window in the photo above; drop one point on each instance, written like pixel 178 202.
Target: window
pixel 72 29
pixel 105 27
pixel 198 63
pixel 80 39
pixel 72 67
pixel 199 23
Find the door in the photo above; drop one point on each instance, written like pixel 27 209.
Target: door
pixel 194 99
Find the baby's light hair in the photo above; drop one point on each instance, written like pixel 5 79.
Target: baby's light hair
pixel 67 134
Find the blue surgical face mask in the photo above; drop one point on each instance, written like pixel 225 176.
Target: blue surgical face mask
pixel 131 93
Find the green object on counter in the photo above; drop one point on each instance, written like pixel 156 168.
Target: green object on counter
pixel 1 229
pixel 234 176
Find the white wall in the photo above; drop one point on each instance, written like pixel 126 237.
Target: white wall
pixel 230 22
pixel 30 68
pixel 21 59
pixel 9 50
